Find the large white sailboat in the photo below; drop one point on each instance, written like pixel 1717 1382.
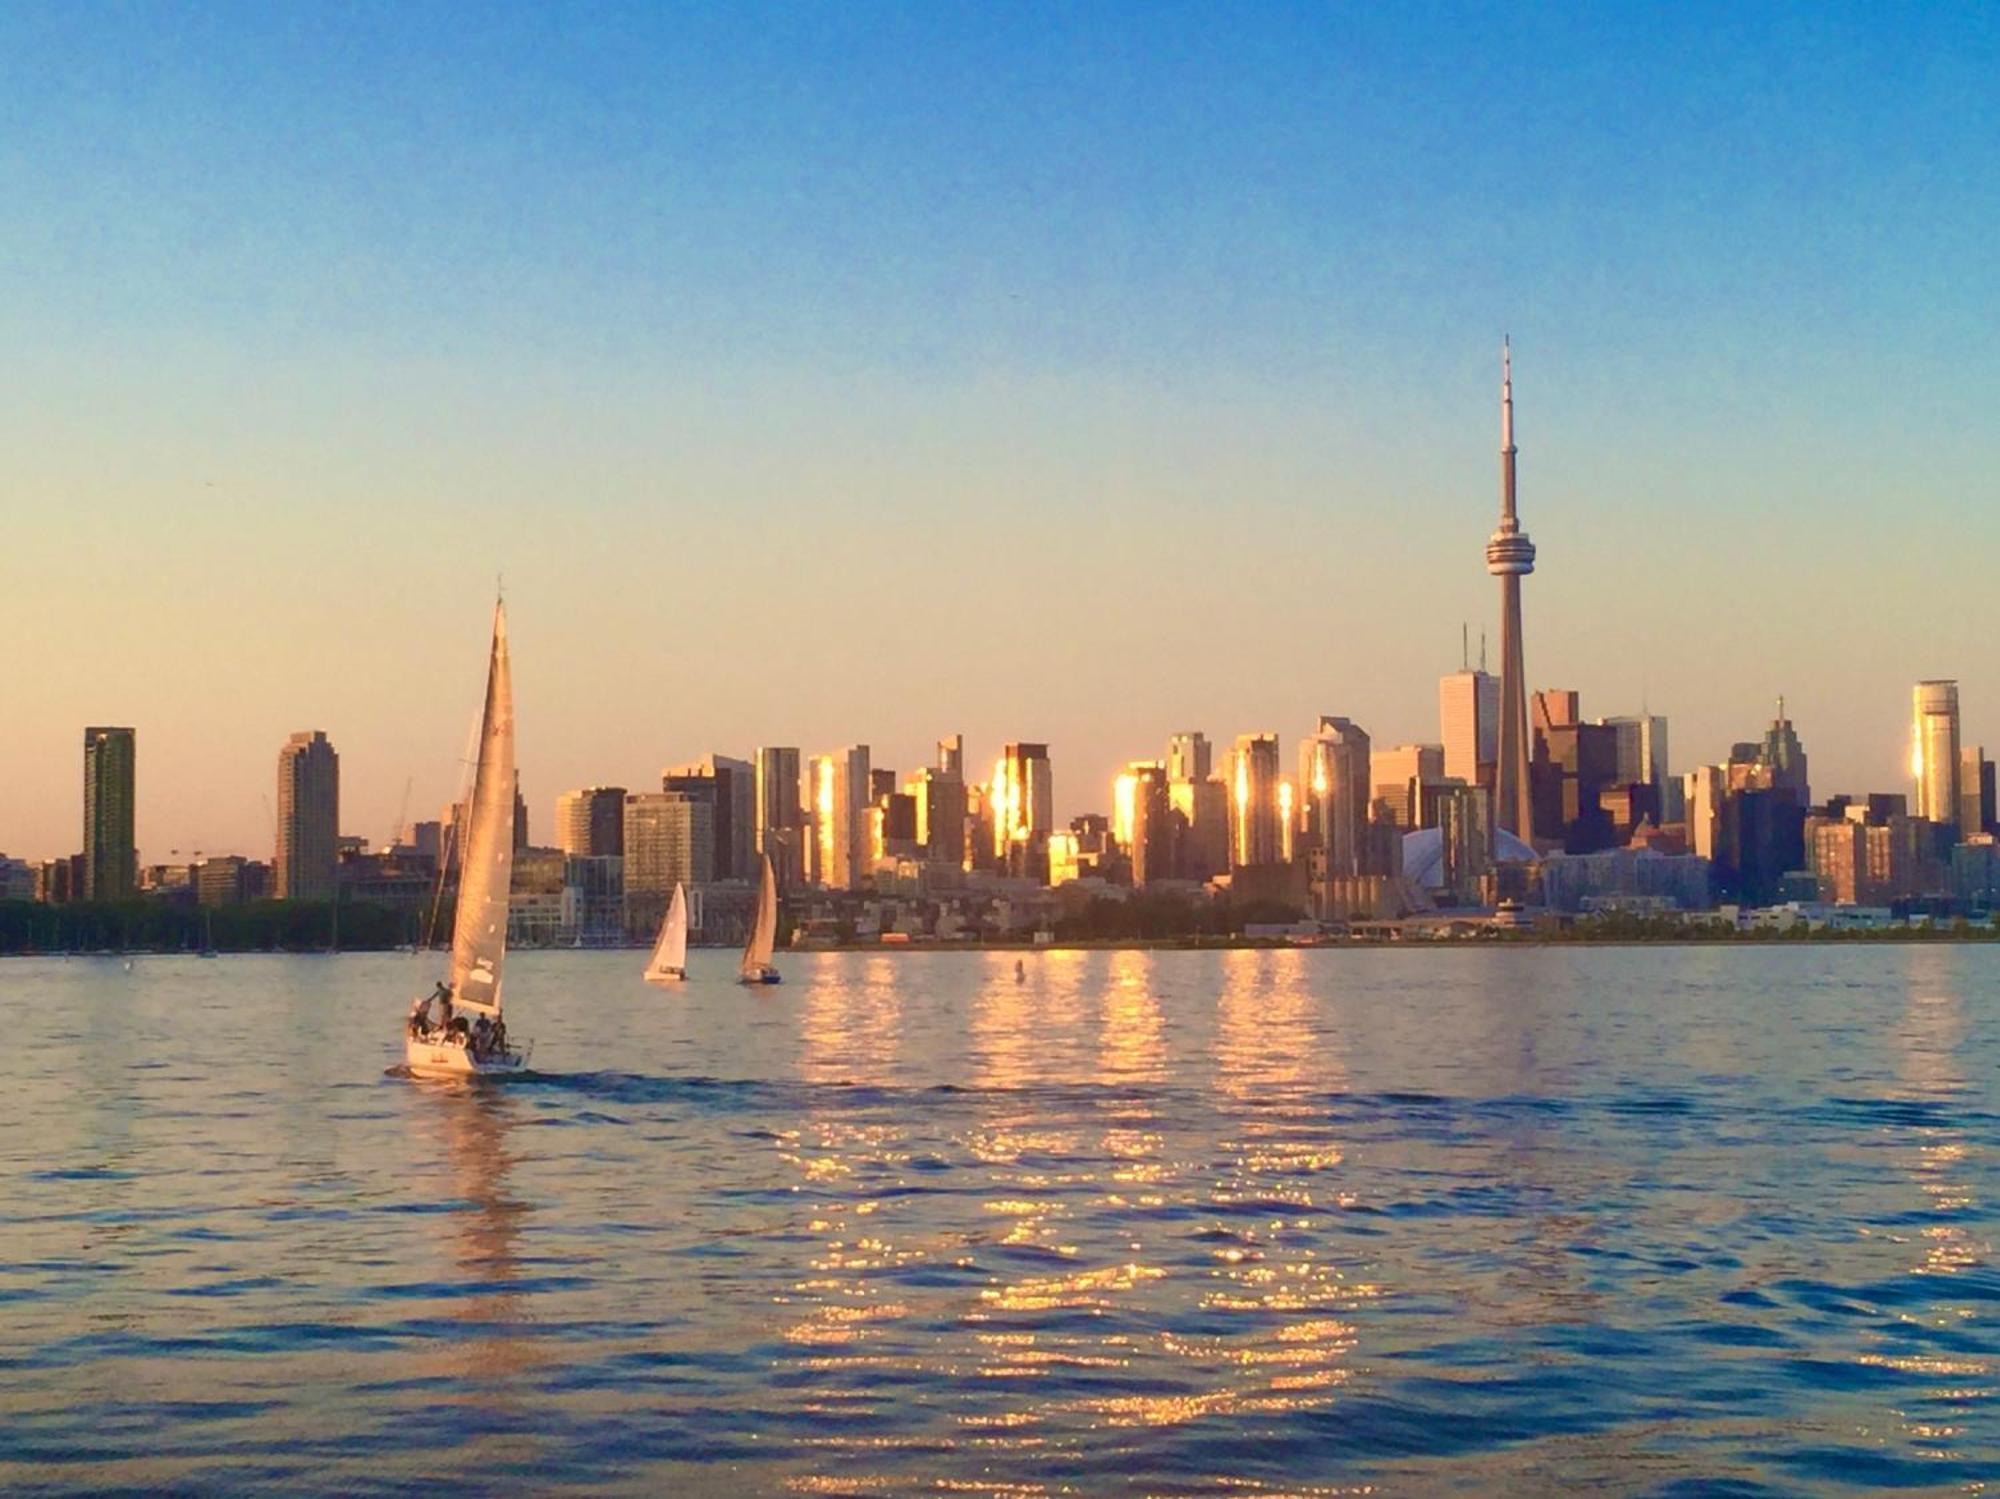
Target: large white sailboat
pixel 670 953
pixel 457 1030
pixel 757 951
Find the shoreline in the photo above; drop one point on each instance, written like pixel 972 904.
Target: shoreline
pixel 1892 938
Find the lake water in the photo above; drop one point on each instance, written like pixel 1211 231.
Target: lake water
pixel 1687 1220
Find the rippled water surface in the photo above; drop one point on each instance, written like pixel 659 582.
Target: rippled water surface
pixel 1674 1221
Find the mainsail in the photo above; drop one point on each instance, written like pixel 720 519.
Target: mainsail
pixel 486 865
pixel 670 953
pixel 764 932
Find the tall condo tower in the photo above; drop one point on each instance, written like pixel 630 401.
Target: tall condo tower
pixel 306 864
pixel 1510 557
pixel 1934 755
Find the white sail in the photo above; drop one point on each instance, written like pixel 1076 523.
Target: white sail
pixel 764 931
pixel 486 860
pixel 670 953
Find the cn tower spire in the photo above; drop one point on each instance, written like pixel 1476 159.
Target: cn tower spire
pixel 1510 557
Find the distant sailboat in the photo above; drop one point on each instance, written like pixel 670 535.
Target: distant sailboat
pixel 757 951
pixel 442 1041
pixel 207 934
pixel 670 953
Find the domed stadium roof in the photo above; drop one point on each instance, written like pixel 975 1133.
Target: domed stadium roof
pixel 1423 855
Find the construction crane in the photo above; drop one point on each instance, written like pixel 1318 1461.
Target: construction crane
pixel 402 815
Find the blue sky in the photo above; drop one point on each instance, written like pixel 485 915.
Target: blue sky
pixel 819 374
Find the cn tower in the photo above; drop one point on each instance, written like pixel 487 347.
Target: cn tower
pixel 1510 556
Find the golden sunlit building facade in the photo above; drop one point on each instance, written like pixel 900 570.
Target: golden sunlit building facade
pixel 1022 801
pixel 1934 751
pixel 1334 794
pixel 1256 826
pixel 837 787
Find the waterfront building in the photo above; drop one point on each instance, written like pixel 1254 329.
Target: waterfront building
pixel 838 845
pixel 1145 809
pixel 1335 792
pixel 594 899
pixel 780 815
pixel 1202 810
pixel 590 822
pixel 1022 798
pixel 1975 792
pixel 535 902
pixel 951 757
pixel 306 864
pixel 939 802
pixel 1633 878
pixel 1469 725
pixel 219 880
pixel 110 773
pixel 731 785
pixel 1256 813
pixel 1065 856
pixel 669 840
pixel 1510 557
pixel 1934 750
pixel 1462 815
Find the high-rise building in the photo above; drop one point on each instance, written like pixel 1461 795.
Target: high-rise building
pixel 590 823
pixel 520 815
pixel 1574 764
pixel 1023 803
pixel 732 787
pixel 1934 752
pixel 1335 790
pixel 306 865
pixel 780 816
pixel 1469 724
pixel 1202 826
pixel 110 774
pixel 838 792
pixel 951 757
pixel 1147 813
pixel 1398 775
pixel 1188 757
pixel 1510 557
pixel 1784 759
pixel 940 812
pixel 1256 821
pixel 669 840
pixel 1975 792
pixel 1640 742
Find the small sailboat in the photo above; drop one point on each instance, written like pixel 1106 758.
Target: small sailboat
pixel 207 934
pixel 757 951
pixel 670 953
pixel 457 1031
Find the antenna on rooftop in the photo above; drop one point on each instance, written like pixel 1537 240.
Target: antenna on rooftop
pixel 1464 646
pixel 1482 650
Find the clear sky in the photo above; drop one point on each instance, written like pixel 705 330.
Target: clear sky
pixel 832 373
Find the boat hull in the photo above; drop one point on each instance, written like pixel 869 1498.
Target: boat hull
pixel 443 1059
pixel 760 976
pixel 665 975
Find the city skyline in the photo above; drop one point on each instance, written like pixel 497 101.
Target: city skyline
pixel 755 404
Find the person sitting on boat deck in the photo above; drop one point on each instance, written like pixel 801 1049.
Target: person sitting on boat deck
pixel 420 1014
pixel 482 1036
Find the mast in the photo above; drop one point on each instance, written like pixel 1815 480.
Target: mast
pixel 486 865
